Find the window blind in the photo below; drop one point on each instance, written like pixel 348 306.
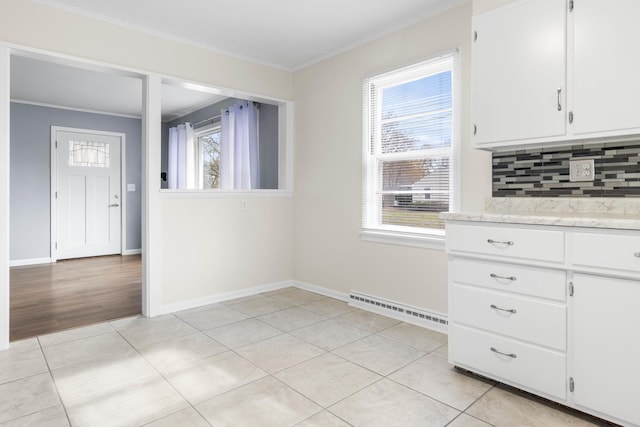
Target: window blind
pixel 410 144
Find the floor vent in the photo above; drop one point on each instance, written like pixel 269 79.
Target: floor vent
pixel 399 311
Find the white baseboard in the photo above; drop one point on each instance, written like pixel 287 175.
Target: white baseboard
pixel 320 290
pixel 32 261
pixel 225 296
pixel 406 313
pixel 131 252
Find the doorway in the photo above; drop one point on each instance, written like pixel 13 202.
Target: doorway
pixel 76 195
pixel 86 193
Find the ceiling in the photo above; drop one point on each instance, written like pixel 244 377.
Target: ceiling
pixel 288 34
pixel 70 85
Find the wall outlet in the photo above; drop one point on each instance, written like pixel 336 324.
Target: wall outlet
pixel 581 170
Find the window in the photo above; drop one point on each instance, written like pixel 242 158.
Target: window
pixel 410 145
pixel 88 154
pixel 209 145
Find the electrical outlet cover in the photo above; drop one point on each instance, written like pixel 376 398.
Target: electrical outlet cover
pixel 581 170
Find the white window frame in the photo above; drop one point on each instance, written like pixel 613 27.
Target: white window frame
pixel 372 229
pixel 197 134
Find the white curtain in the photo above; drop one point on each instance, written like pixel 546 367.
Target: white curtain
pixel 185 164
pixel 239 157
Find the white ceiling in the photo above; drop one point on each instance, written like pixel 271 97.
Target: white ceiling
pixel 42 81
pixel 288 34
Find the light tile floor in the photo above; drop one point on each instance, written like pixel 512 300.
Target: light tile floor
pixel 282 358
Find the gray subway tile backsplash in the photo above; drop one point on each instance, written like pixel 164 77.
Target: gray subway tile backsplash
pixel 545 172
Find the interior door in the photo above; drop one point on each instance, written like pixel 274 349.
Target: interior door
pixel 87 194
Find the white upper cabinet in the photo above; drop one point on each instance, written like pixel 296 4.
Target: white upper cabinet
pixel 606 58
pixel 555 71
pixel 519 69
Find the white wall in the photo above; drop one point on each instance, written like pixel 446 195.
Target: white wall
pixel 213 247
pixel 328 251
pixel 481 6
pixel 33 26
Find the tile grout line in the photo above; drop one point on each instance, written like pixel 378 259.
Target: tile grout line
pixel 55 384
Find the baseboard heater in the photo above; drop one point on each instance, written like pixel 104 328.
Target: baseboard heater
pixel 427 319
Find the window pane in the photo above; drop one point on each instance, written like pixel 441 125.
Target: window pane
pixel 428 94
pixel 414 192
pixel 432 131
pixel 210 144
pixel 89 154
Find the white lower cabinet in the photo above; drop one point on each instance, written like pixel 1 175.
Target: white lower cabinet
pixel 606 342
pixel 554 311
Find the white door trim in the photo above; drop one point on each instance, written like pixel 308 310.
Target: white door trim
pixel 54 184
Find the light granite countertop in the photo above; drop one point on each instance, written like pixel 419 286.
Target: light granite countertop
pixel 616 213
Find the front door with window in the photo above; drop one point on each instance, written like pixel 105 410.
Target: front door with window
pixel 87 194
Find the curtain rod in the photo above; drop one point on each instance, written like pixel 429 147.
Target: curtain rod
pixel 210 119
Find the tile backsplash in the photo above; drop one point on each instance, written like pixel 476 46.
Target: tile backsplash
pixel 545 172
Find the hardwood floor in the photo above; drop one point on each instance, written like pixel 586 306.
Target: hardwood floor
pixel 53 297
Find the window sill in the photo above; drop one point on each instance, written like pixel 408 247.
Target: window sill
pixel 217 194
pixel 425 241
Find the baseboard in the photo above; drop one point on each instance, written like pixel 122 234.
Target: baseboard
pixel 32 261
pixel 409 314
pixel 320 290
pixel 131 252
pixel 406 313
pixel 225 296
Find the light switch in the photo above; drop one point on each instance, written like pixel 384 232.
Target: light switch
pixel 131 187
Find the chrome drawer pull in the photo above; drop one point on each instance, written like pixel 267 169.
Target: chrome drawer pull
pixel 495 276
pixel 511 355
pixel 495 307
pixel 497 242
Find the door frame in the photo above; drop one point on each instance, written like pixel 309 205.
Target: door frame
pixel 54 184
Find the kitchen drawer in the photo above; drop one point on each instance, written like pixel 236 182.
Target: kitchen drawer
pixel 606 250
pixel 536 321
pixel 531 367
pixel 503 241
pixel 537 282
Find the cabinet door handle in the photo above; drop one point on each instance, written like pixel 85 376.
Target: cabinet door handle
pixel 508 310
pixel 637 255
pixel 559 101
pixel 511 355
pixel 498 242
pixel 495 276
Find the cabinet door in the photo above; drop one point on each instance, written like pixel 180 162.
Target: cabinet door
pixel 606 331
pixel 519 72
pixel 606 90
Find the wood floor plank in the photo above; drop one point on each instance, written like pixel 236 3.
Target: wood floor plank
pixel 67 294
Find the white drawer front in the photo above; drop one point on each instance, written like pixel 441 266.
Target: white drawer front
pixel 539 322
pixel 606 251
pixel 538 282
pixel 534 244
pixel 532 367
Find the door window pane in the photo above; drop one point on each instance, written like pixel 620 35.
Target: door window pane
pixel 89 154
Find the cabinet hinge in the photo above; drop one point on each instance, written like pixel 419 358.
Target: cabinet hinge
pixel 570 5
pixel 570 116
pixel 572 385
pixel 570 289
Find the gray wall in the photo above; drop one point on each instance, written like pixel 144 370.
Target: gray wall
pixel 268 138
pixel 31 174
